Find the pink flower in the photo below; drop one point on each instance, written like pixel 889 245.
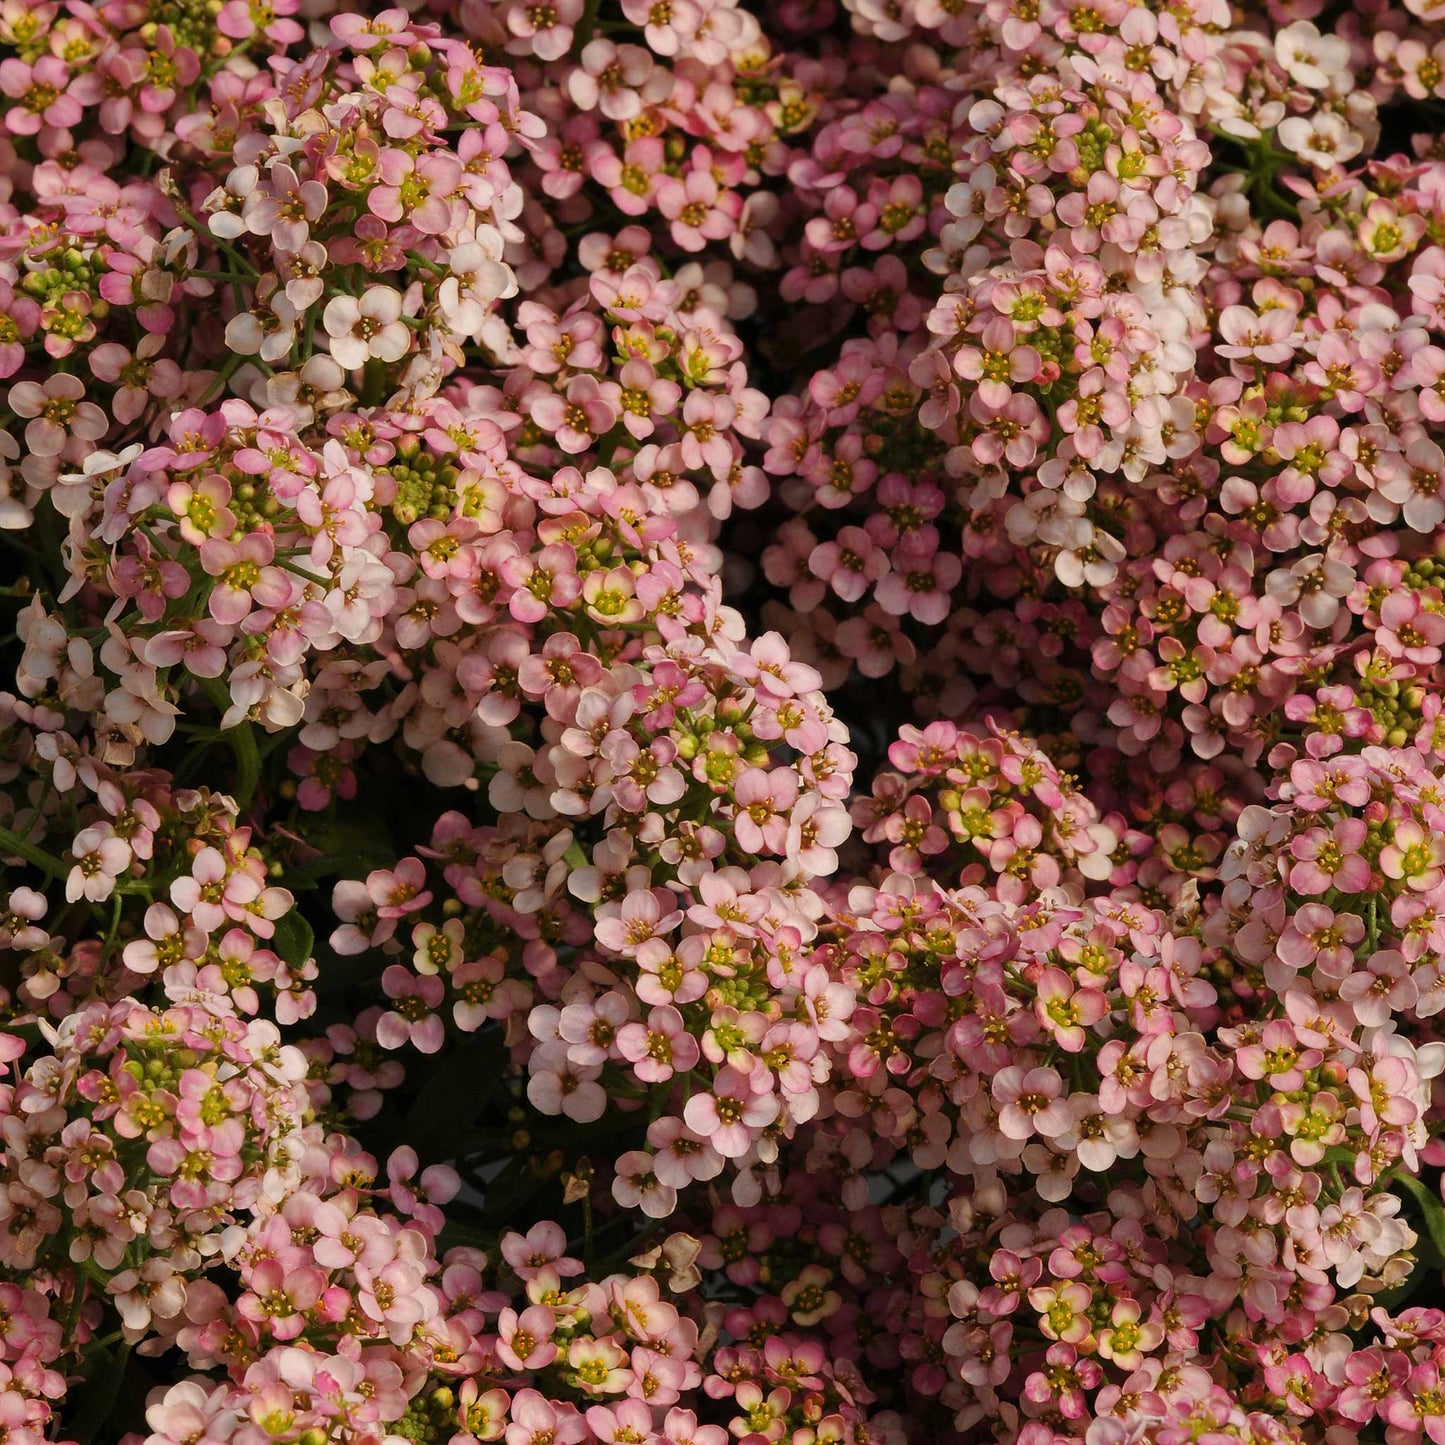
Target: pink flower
pixel 166 942
pixel 524 1342
pixel 400 890
pixel 483 993
pixel 1414 857
pixel 1128 1337
pixel 543 1246
pixel 1330 858
pixel 413 1016
pixel 285 207
pixel 394 1296
pixel 731 1115
pixel 618 80
pixel 559 1086
pixel 1418 1406
pixel 920 587
pixel 1264 338
pixel 849 563
pixel 43 95
pixel 660 1047
pixel 645 396
pixel 100 858
pixel 244 576
pixel 764 801
pixel 1061 1309
pixel 816 828
pixel 1317 935
pixel 420 190
pixel 536 1420
pixel 240 19
pixel 997 362
pixel 698 208
pixel 543 30
pixel 1030 1102
pixel 1066 1011
pixel 195 1410
pixel 682 1155
pixel 56 408
pixel 280 1297
pixel 636 1186
pixel 1277 1056
pixel 625 927
pixel 585 410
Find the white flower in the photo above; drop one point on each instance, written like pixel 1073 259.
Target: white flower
pixel 1325 140
pixel 15 513
pixel 477 278
pixel 370 327
pixel 1311 59
pixel 100 857
pixel 268 332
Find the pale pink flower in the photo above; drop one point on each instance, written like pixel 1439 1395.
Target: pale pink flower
pixel 1031 1101
pixel 366 328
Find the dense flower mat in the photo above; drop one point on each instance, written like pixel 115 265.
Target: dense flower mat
pixel 726 722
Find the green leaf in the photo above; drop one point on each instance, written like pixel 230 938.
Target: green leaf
pixel 294 940
pixel 505 1197
pixel 350 850
pixel 457 1231
pixel 338 972
pixel 458 1089
pixel 98 1395
pixel 1430 1206
pixel 1394 1299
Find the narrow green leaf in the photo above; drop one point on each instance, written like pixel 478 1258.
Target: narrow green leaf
pixel 1432 1209
pixel 98 1394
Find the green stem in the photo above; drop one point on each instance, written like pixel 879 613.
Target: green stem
pixel 248 763
pixel 373 382
pixel 233 363
pixel 151 536
pixel 607 445
pixel 114 932
pixel 14 843
pixel 203 233
pixel 302 572
pixel 585 26
pixel 242 739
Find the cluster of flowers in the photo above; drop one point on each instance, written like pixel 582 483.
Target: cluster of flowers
pixel 791 654
pixel 502 1350
pixel 1003 803
pixel 1219 505
pixel 1231 1096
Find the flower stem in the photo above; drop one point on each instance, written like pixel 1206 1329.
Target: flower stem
pixel 242 739
pixel 13 843
pixel 585 26
pixel 248 763
pixel 302 572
